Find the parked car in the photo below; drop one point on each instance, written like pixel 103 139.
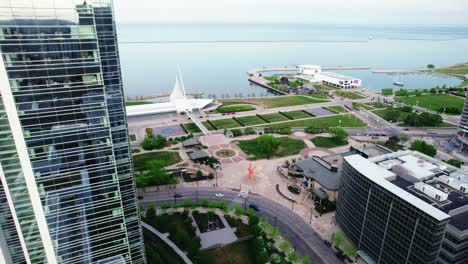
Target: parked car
pixel 140 197
pixel 254 206
pixel 219 195
pixel 327 243
pixel 178 195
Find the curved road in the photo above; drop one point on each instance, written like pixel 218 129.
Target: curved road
pixel 304 239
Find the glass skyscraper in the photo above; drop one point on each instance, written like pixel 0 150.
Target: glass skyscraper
pixel 67 193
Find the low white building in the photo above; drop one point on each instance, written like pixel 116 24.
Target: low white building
pixel 314 74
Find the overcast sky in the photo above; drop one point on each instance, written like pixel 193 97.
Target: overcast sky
pixel 297 11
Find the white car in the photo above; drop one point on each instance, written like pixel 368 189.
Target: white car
pixel 242 195
pixel 219 195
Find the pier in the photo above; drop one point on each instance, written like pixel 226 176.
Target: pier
pixel 256 72
pixel 400 71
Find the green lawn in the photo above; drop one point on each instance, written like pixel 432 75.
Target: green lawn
pixel 377 105
pixel 275 117
pixel 337 109
pixel 240 252
pixel 458 70
pixel 273 102
pixel 191 128
pixel 234 108
pixel 297 114
pixel 347 120
pixel 287 147
pixel 169 158
pixel 434 102
pixel 136 103
pixel 365 106
pixel 382 113
pixel 251 120
pixel 349 95
pixel 328 142
pixel 223 123
pixel 318 95
pixel 132 137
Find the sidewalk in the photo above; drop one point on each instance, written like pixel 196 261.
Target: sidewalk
pixel 168 242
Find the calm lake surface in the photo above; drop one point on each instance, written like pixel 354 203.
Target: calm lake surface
pixel 214 58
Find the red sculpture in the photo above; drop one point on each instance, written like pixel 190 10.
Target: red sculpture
pixel 251 173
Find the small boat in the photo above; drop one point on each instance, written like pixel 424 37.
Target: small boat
pixel 398 84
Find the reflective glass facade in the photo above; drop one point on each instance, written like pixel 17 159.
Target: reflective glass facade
pixel 386 227
pixel 67 192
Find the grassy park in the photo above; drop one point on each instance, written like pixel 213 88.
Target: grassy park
pixel 136 103
pixel 250 120
pixel 299 114
pixel 350 95
pixel 234 108
pixel 169 158
pixel 273 102
pixel 286 147
pixel 275 117
pixel 191 128
pixel 240 252
pixel 347 120
pixel 458 70
pixel 222 124
pixel 337 109
pixel 435 102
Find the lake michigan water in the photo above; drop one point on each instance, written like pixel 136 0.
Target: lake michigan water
pixel 214 58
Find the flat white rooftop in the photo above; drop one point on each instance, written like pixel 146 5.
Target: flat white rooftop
pixel 167 107
pixel 338 76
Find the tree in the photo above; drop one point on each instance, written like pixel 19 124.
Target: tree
pixel 423 147
pixel 293 257
pixel 392 115
pixel 337 239
pixel 151 213
pixel 306 260
pixel 430 66
pixel 433 91
pixel 153 142
pixel 407 109
pixel 199 173
pixel 267 144
pixel 155 175
pixel 454 162
pixel 284 80
pixel 339 134
pixel 387 91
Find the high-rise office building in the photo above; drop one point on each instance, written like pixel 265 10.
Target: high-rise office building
pixel 404 207
pixel 67 191
pixel 463 129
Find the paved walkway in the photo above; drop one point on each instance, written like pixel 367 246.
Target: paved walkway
pixel 168 242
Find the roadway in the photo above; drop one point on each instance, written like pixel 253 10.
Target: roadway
pixel 303 237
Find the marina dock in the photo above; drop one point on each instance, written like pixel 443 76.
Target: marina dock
pixel 256 72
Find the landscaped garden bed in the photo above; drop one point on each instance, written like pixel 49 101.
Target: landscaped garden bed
pixel 207 222
pixel 294 189
pixel 298 114
pixel 250 120
pixel 275 117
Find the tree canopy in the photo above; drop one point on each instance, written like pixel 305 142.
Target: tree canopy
pixel 267 144
pixel 153 142
pixel 423 147
pixel 155 175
